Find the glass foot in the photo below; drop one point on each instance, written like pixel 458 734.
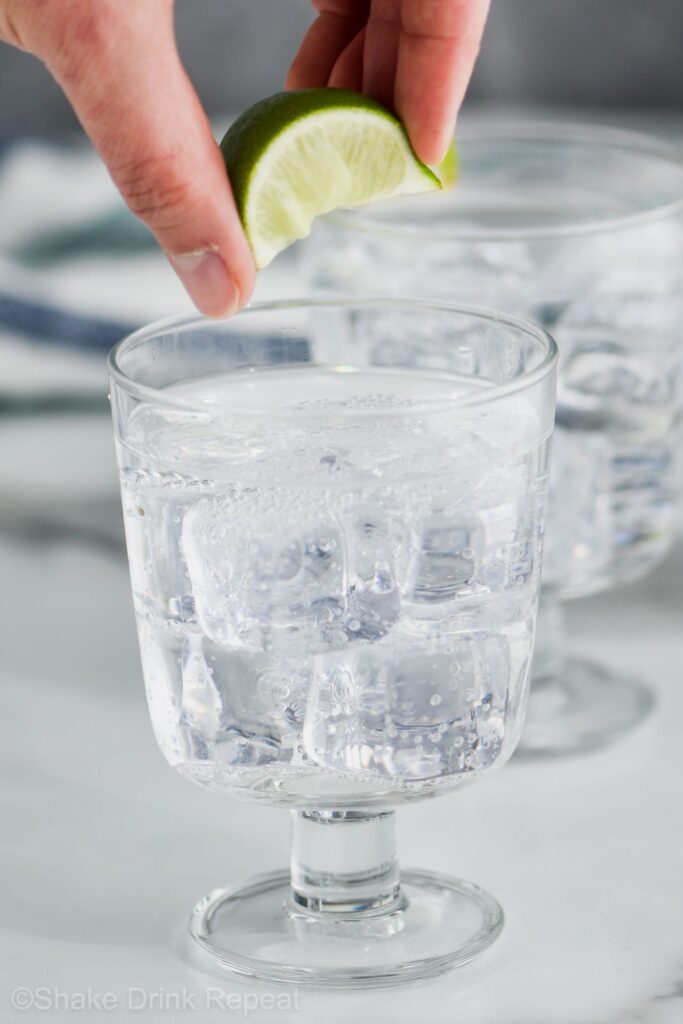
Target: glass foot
pixel 582 707
pixel 258 930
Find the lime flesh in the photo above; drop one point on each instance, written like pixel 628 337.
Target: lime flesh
pixel 300 154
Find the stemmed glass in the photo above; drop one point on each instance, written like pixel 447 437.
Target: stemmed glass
pixel 582 230
pixel 334 516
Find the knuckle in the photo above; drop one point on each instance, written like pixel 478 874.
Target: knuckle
pixel 76 33
pixel 10 30
pixel 23 23
pixel 156 190
pixel 91 23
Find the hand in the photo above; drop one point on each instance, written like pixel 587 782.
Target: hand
pixel 414 56
pixel 117 62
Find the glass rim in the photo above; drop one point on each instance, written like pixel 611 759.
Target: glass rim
pixel 161 397
pixel 489 129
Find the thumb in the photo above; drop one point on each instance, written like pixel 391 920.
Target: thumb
pixel 119 66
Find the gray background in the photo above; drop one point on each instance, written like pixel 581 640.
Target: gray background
pixel 588 53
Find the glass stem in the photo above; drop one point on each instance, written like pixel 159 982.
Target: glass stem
pixel 344 862
pixel 550 653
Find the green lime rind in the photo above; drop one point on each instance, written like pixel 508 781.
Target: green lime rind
pixel 255 130
pixel 246 144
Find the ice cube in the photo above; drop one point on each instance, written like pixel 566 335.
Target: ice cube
pixel 240 708
pixel 445 557
pixel 580 516
pixel 510 525
pixel 201 706
pixel 410 710
pixel 267 570
pixel 245 750
pixel 618 370
pixel 621 338
pixel 344 710
pixel 376 544
pixel 154 506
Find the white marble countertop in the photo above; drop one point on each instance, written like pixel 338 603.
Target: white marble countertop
pixel 104 849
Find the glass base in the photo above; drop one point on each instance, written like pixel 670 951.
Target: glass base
pixel 582 707
pixel 257 930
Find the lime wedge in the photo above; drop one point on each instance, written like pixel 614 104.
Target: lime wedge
pixel 297 155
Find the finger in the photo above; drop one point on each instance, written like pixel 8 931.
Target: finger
pixel 336 26
pixel 438 47
pixel 347 73
pixel 122 73
pixel 381 50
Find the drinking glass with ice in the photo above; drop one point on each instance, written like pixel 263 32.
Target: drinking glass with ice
pixel 335 560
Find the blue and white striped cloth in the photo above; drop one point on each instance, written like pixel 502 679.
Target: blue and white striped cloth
pixel 77 272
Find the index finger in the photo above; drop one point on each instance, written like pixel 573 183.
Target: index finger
pixel 438 46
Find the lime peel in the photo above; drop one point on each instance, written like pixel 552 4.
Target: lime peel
pixel 299 154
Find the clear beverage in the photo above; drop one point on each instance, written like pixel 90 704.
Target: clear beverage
pixel 334 594
pixel 335 559
pixel 582 231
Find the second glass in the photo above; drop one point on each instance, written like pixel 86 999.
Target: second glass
pixel 582 230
